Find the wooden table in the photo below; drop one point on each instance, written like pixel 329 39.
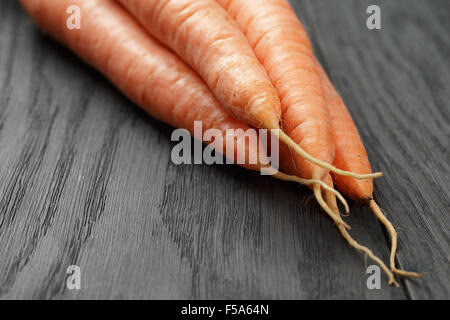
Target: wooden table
pixel 87 180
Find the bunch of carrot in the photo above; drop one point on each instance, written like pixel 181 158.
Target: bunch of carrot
pixel 232 64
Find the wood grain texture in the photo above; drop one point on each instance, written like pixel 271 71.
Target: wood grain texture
pixel 87 177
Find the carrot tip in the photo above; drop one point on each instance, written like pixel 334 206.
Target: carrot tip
pixel 352 242
pixel 393 234
pixel 377 175
pixel 395 283
pixel 409 274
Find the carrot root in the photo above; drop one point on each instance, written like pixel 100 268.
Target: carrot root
pixel 282 176
pixel 385 221
pixel 352 242
pixel 283 137
pixel 336 218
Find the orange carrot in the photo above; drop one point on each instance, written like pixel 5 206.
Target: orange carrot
pixel 351 155
pixel 149 74
pixel 281 44
pixel 204 36
pixel 114 43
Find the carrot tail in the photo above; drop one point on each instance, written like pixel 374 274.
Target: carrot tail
pixel 385 221
pixel 332 203
pixel 283 137
pixel 308 182
pixel 369 253
pixel 336 218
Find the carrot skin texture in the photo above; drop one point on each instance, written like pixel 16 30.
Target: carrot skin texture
pixel 350 153
pixel 207 39
pixel 149 74
pixel 281 44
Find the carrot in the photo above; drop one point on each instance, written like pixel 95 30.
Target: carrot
pixel 281 44
pixel 149 74
pixel 114 43
pixel 205 37
pixel 351 155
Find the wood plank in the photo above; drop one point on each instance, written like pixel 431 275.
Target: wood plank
pixel 87 180
pixel 395 82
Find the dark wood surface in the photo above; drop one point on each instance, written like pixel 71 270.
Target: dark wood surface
pixel 86 177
